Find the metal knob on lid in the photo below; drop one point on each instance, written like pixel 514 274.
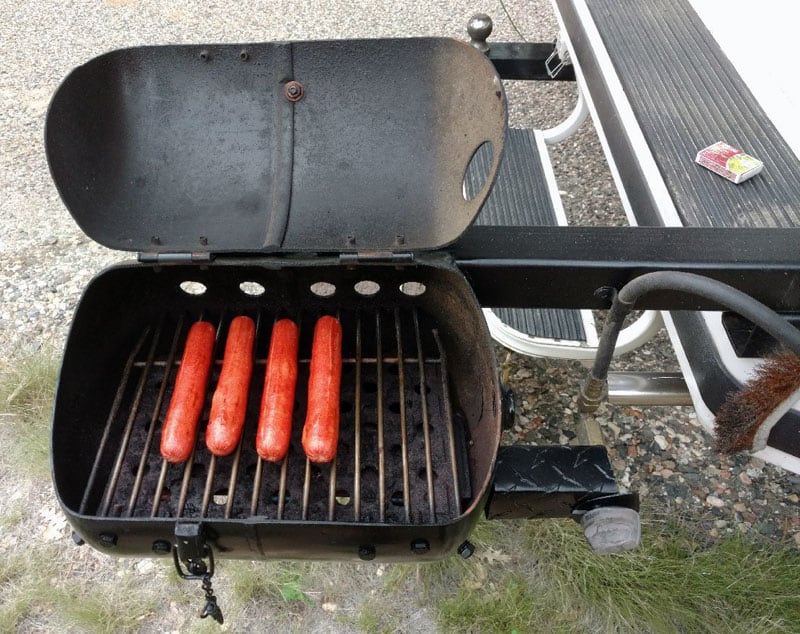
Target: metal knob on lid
pixel 479 28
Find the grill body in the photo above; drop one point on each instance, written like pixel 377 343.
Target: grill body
pixel 420 412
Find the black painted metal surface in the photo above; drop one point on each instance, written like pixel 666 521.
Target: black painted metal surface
pixel 534 482
pixel 564 266
pixel 202 148
pixel 526 61
pixel 123 302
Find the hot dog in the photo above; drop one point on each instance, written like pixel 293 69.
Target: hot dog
pixel 229 404
pixel 186 405
pixel 321 429
pixel 277 401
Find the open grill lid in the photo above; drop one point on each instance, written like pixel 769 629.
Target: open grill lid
pixel 176 149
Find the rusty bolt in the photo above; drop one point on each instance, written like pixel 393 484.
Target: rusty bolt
pixel 293 91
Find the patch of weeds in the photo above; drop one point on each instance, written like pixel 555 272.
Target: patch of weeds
pixel 25 585
pixel 13 516
pixel 27 386
pixel 372 620
pixel 674 581
pixel 511 605
pixel 118 607
pixel 275 580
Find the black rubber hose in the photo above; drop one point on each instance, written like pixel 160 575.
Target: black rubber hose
pixel 719 292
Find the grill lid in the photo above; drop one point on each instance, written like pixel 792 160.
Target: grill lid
pixel 176 149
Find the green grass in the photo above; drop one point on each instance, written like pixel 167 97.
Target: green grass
pixel 35 590
pixel 27 386
pixel 541 576
pixel 675 581
pixel 259 581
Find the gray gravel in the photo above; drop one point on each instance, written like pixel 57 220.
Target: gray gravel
pixel 47 261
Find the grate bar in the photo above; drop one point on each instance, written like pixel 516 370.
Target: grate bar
pixel 162 480
pixel 282 486
pixel 381 459
pixel 137 485
pixel 187 475
pixel 301 361
pixel 233 479
pixel 425 418
pixel 403 440
pixel 256 486
pixel 212 468
pixel 126 375
pixel 357 428
pixel 332 491
pixel 126 434
pixel 306 489
pixel 448 417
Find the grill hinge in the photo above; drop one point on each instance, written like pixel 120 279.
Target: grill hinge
pixel 376 257
pixel 173 258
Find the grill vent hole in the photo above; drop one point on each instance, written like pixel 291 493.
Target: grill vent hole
pixel 423 474
pixel 394 407
pixel 254 289
pixel 367 288
pixel 412 289
pixel 220 497
pixel 345 407
pixel 397 499
pixel 370 387
pixel 198 470
pixel 276 496
pixel 477 172
pixel 323 289
pixel 342 497
pixel 193 288
pixel 418 390
pixel 166 494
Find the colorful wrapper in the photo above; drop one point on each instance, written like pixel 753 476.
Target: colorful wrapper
pixel 729 162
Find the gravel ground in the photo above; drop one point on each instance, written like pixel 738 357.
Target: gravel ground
pixel 46 260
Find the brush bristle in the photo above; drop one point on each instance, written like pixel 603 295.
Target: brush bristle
pixel 740 416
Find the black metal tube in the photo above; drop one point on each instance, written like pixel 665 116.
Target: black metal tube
pixel 624 301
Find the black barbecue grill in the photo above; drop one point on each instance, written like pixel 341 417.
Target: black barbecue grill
pixel 293 180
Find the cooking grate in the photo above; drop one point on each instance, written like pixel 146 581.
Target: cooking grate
pixel 402 446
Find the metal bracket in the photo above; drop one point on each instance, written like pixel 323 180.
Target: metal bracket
pixel 558 59
pixel 173 258
pixel 191 549
pixel 376 257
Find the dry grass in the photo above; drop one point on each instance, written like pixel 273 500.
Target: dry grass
pixel 27 386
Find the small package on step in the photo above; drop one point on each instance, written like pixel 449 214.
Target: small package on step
pixel 729 162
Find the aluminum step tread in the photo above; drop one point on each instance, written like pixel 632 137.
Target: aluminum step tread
pixel 521 197
pixel 686 95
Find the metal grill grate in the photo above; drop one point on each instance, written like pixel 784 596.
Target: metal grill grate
pixel 401 454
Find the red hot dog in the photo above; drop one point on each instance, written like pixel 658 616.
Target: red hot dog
pixel 186 405
pixel 321 430
pixel 229 405
pixel 277 401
